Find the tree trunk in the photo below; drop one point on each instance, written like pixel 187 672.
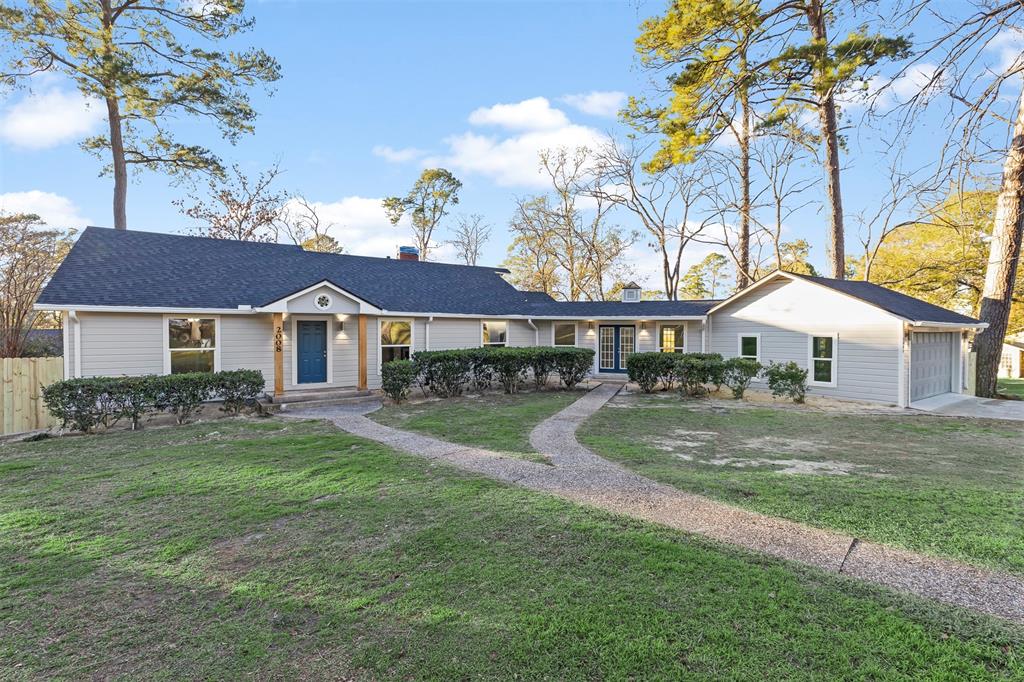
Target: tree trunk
pixel 1003 259
pixel 114 121
pixel 743 271
pixel 120 166
pixel 830 137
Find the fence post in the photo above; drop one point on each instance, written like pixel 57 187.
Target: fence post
pixel 972 373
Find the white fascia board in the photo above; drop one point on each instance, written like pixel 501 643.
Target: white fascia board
pixel 582 318
pixel 951 325
pixel 142 309
pixel 281 305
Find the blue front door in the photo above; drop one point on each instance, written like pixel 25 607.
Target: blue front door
pixel 312 351
pixel 615 344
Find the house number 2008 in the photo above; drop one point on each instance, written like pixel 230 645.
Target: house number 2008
pixel 278 340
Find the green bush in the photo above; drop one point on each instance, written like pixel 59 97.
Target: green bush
pixel 77 402
pixel 132 397
pixel 397 378
pixel 237 388
pixel 444 372
pixel 573 365
pixel 787 379
pixel 738 373
pixel 542 363
pixel 510 365
pixel 694 371
pixel 480 370
pixel 647 370
pixel 182 394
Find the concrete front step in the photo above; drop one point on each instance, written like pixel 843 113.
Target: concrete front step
pixel 325 402
pixel 320 396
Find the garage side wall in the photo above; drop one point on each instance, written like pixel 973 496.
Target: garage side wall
pixel 787 313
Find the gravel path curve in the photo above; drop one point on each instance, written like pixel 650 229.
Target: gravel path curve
pixel 582 476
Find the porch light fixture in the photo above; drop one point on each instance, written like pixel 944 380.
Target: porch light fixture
pixel 590 325
pixel 341 326
pixel 643 325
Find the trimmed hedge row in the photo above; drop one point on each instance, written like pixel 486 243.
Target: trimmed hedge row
pixel 695 372
pixel 447 373
pixel 84 404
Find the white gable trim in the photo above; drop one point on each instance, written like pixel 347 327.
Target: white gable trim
pixel 281 305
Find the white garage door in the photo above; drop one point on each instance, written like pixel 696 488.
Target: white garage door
pixel 931 363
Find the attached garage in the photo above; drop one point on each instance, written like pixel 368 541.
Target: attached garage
pixel 933 363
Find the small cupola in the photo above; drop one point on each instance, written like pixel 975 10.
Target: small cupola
pixel 630 292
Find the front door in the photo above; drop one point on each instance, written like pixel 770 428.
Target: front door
pixel 616 343
pixel 312 351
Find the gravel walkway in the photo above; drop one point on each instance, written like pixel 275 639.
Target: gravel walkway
pixel 580 475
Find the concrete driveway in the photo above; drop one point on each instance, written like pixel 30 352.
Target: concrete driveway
pixel 956 405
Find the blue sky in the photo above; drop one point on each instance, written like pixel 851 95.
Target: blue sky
pixel 372 92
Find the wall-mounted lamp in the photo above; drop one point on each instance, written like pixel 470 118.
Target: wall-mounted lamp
pixel 341 326
pixel 590 325
pixel 643 325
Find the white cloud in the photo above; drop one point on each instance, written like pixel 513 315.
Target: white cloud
pixel 403 155
pixel 530 114
pixel 49 118
pixel 362 227
pixel 1008 45
pixel 597 102
pixel 56 210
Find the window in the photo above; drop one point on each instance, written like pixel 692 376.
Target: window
pixel 630 295
pixel 673 338
pixel 395 340
pixel 750 347
pixel 565 333
pixel 495 333
pixel 191 344
pixel 823 360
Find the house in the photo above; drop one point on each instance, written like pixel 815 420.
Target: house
pixel 150 303
pixel 1011 362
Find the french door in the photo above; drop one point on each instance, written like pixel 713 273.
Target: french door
pixel 615 343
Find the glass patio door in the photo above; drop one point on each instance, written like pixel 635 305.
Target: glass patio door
pixel 615 343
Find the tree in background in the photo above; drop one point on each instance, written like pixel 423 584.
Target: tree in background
pixel 530 263
pixel 239 207
pixel 300 220
pixel 29 255
pixel 706 279
pixel 426 204
pixel 133 57
pixel 664 200
pixel 471 233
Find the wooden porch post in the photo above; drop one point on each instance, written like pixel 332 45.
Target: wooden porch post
pixel 278 353
pixel 362 353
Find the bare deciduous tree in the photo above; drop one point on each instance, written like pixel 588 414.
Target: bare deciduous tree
pixel 239 207
pixel 471 233
pixel 29 255
pixel 300 220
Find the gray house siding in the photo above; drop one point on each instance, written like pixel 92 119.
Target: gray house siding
pixel 247 343
pixel 116 344
pixel 786 313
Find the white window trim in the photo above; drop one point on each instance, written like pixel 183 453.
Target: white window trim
pixel 508 334
pixel 686 330
pixel 575 334
pixel 739 345
pixel 329 319
pixel 835 360
pixel 218 341
pixel 412 338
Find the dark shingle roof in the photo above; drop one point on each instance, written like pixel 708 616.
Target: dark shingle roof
pixel 891 301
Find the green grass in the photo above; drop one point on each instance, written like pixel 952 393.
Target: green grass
pixel 1014 387
pixel 944 486
pixel 495 421
pixel 281 550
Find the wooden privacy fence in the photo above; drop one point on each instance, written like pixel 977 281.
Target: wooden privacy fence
pixel 21 392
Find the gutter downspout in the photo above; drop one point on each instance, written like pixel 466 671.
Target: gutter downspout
pixel 426 333
pixel 704 334
pixel 73 317
pixel 536 332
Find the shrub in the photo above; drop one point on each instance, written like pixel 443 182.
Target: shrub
pixel 694 371
pixel 182 394
pixel 542 362
pixel 445 372
pixel 738 373
pixel 573 364
pixel 238 387
pixel 648 369
pixel 76 402
pixel 510 365
pixel 133 397
pixel 397 378
pixel 480 371
pixel 787 379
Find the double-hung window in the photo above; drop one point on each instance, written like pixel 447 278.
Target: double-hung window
pixel 672 339
pixel 191 344
pixel 750 347
pixel 822 360
pixel 395 340
pixel 494 333
pixel 565 333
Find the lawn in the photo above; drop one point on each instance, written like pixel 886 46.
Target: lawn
pixel 1014 387
pixel 287 550
pixel 495 421
pixel 940 485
